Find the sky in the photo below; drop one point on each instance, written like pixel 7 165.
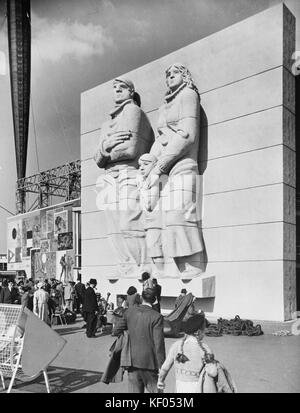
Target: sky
pixel 77 45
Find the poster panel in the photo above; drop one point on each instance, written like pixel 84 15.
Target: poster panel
pixel 53 241
pixel 65 241
pixel 38 264
pixel 14 239
pixel 51 265
pixel 45 245
pixel 49 221
pixel 60 222
pixel 70 261
pixel 36 232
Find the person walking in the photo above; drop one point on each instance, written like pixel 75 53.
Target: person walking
pixel 90 308
pixel 79 295
pixel 187 355
pixel 146 338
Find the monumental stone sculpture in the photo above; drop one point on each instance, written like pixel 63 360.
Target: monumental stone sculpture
pixel 176 150
pixel 123 139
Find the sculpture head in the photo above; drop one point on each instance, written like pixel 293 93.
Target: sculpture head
pixel 123 89
pixel 146 163
pixel 178 74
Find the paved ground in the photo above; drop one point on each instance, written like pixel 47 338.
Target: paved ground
pixel 264 364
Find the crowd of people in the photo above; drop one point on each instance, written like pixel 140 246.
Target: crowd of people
pixel 138 325
pixel 95 307
pixel 43 298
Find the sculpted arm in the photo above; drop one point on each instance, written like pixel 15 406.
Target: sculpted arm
pixel 128 148
pixel 101 156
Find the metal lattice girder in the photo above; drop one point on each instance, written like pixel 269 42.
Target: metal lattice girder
pixel 62 181
pixel 19 40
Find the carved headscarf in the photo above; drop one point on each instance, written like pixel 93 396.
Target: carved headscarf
pixel 187 78
pixel 148 157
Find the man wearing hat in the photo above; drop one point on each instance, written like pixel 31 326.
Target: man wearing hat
pixel 123 139
pixel 146 338
pixel 89 308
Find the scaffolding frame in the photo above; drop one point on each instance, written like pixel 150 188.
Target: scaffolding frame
pixel 62 182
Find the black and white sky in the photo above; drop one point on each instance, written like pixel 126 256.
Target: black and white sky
pixel 77 45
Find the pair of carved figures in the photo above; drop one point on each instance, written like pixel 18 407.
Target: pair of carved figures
pixel 152 185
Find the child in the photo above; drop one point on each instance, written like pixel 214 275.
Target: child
pixel 149 190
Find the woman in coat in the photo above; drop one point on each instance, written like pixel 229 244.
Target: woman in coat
pixel 40 303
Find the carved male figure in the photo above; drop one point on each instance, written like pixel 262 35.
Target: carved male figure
pixel 123 138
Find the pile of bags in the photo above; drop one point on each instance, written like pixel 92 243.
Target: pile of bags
pixel 235 327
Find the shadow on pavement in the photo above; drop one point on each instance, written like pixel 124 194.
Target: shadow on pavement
pixel 68 330
pixel 62 380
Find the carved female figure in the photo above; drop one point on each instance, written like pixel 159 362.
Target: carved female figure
pixel 176 149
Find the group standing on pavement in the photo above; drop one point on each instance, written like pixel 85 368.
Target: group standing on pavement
pixel 43 297
pixel 137 319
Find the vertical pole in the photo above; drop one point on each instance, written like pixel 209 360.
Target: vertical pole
pixel 12 379
pixel 2 380
pixel 46 381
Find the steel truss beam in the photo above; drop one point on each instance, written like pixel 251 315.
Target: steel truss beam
pixel 62 181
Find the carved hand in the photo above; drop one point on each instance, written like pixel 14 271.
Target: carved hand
pixel 115 139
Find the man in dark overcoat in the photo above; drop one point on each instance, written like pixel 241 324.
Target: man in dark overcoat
pixel 90 308
pixel 146 339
